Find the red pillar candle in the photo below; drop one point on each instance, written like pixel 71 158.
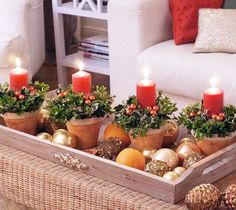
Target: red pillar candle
pixel 213 100
pixel 81 82
pixel 18 76
pixel 146 93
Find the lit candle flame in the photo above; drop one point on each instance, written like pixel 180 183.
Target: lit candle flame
pixel 213 82
pixel 18 62
pixel 81 66
pixel 146 73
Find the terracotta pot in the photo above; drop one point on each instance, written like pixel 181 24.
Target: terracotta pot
pixel 154 140
pixel 26 122
pixel 86 131
pixel 211 145
pixel 171 133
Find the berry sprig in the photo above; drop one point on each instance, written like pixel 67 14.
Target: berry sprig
pixel 133 118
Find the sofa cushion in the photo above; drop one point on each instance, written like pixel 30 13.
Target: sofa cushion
pixel 185 18
pixel 179 71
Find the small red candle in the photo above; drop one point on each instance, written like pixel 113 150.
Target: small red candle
pixel 146 91
pixel 81 82
pixel 213 100
pixel 18 76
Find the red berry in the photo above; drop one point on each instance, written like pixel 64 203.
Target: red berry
pixel 214 116
pixel 87 102
pixel 192 114
pixel 220 118
pixel 153 112
pixel 149 108
pixel 222 115
pixel 31 88
pixel 21 97
pixel 85 97
pixel 132 107
pixel 17 93
pixel 92 98
pixel 155 108
pixel 199 112
pixel 128 112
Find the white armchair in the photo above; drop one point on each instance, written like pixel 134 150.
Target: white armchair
pixel 21 35
pixel 140 35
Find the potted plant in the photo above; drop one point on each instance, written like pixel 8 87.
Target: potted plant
pixel 212 132
pixel 20 108
pixel 83 114
pixel 146 126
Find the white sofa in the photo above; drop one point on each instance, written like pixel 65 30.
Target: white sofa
pixel 140 35
pixel 21 35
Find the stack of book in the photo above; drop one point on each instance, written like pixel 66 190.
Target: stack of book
pixel 95 47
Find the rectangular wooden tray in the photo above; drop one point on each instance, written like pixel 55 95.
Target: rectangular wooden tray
pixel 210 169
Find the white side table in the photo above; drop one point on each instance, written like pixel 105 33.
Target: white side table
pixel 84 8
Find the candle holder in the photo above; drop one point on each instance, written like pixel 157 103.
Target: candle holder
pixel 146 126
pixel 82 113
pixel 20 108
pixel 212 132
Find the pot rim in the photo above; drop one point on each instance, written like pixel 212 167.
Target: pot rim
pixel 11 115
pixel 87 121
pixel 152 131
pixel 217 138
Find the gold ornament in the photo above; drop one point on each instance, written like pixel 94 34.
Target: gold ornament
pixel 148 153
pixel 170 176
pixel 191 159
pixel 171 133
pixel 179 170
pixel 65 138
pixel 157 167
pixel 43 117
pixel 229 197
pixel 187 140
pixel 168 156
pixel 185 149
pixel 110 148
pixel 45 136
pixel 205 196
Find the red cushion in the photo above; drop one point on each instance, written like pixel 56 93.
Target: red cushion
pixel 185 18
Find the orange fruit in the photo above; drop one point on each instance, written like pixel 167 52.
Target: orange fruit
pixel 113 130
pixel 131 157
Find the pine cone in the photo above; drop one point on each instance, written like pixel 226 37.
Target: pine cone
pixel 205 196
pixel 229 197
pixel 191 159
pixel 157 167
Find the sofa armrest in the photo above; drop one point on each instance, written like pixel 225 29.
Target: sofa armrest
pixel 134 25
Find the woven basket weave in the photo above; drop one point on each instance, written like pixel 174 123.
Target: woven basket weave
pixel 43 185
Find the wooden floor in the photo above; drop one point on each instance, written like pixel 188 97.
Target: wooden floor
pixel 48 74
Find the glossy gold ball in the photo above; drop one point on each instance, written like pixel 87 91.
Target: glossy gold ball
pixel 170 176
pixel 65 138
pixel 187 148
pixel 148 153
pixel 168 156
pixel 187 140
pixel 45 136
pixel 179 170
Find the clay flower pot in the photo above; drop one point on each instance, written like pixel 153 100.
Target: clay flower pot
pixel 26 122
pixel 153 139
pixel 86 131
pixel 211 145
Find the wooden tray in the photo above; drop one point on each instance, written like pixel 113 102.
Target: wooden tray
pixel 208 170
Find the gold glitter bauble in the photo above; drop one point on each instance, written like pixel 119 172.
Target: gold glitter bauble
pixel 168 156
pixel 157 167
pixel 229 197
pixel 110 148
pixel 171 133
pixel 148 153
pixel 45 136
pixel 187 148
pixel 65 138
pixel 205 196
pixel 187 140
pixel 191 159
pixel 170 176
pixel 179 170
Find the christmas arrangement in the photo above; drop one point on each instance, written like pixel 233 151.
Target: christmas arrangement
pixel 145 122
pixel 82 113
pixel 20 107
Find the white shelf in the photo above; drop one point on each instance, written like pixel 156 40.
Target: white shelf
pixel 68 9
pixel 92 65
